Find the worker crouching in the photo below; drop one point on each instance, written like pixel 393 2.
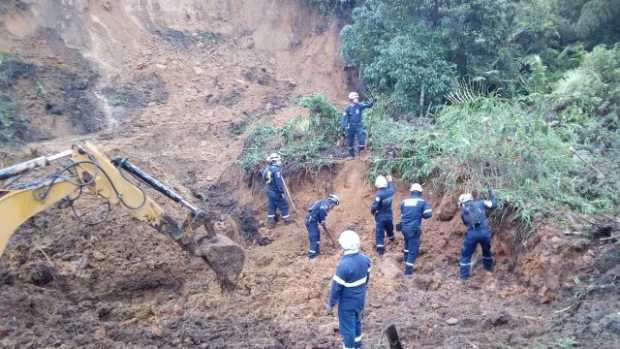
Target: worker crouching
pixel 348 289
pixel 473 215
pixel 317 213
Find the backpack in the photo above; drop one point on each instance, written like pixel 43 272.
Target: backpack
pixel 473 213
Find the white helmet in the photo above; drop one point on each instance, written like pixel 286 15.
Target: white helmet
pixel 274 158
pixel 381 182
pixel 349 241
pixel 353 95
pixel 465 198
pixel 416 187
pixel 334 198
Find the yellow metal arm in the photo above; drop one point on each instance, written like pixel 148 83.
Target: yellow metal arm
pixel 91 171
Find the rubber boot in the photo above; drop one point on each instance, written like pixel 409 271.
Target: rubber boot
pixel 271 222
pixel 380 251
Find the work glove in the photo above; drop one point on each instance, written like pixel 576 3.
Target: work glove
pixel 389 178
pixel 329 310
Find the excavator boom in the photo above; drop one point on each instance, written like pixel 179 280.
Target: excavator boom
pixel 91 171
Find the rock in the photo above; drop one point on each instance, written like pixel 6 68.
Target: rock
pixel 107 5
pixel 99 256
pixel 41 274
pixel 198 71
pixel 447 208
pixel 452 321
pixel 499 319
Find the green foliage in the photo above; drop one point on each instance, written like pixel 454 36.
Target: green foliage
pixel 597 80
pixel 413 51
pixel 330 6
pixel 304 141
pixel 499 143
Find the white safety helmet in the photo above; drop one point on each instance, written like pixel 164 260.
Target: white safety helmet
pixel 334 198
pixel 381 182
pixel 465 198
pixel 349 241
pixel 274 158
pixel 353 95
pixel 416 187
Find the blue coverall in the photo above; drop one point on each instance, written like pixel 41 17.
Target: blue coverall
pixel 275 193
pixel 351 123
pixel 382 210
pixel 317 213
pixel 477 234
pixel 412 211
pixel 348 290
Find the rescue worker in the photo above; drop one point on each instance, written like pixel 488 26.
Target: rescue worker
pixel 351 123
pixel 274 187
pixel 412 211
pixel 473 215
pixel 317 213
pixel 348 289
pixel 381 208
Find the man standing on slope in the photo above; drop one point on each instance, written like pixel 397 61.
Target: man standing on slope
pixel 274 187
pixel 382 210
pixel 473 215
pixel 351 123
pixel 412 211
pixel 348 289
pixel 317 213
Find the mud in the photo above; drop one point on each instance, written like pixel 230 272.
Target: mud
pixel 175 85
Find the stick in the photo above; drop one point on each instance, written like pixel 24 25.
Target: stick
pixel 329 235
pixel 288 193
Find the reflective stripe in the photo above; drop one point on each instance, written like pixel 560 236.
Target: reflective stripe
pixel 358 339
pixel 409 264
pixel 465 264
pixel 428 211
pixel 312 251
pixel 380 245
pixel 348 252
pixel 369 269
pixel 271 216
pixel 406 251
pixel 285 217
pixel 350 284
pixel 411 202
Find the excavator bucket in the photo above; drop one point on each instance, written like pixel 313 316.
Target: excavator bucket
pixel 222 254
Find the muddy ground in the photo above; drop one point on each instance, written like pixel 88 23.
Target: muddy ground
pixel 175 85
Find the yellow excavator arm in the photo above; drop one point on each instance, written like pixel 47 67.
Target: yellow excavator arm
pixel 89 170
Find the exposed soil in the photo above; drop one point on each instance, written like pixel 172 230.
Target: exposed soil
pixel 174 85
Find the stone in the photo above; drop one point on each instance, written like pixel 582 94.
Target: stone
pixel 447 209
pixel 99 256
pixel 452 321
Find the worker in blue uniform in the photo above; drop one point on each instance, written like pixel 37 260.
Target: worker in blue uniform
pixel 317 213
pixel 274 188
pixel 412 211
pixel 473 216
pixel 381 209
pixel 348 289
pixel 352 123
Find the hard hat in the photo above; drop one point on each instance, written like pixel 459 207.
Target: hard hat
pixel 274 157
pixel 353 95
pixel 416 187
pixel 334 198
pixel 381 182
pixel 465 198
pixel 349 241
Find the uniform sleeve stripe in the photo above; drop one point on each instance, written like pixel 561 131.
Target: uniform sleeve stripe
pixel 488 203
pixel 359 282
pixel 428 211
